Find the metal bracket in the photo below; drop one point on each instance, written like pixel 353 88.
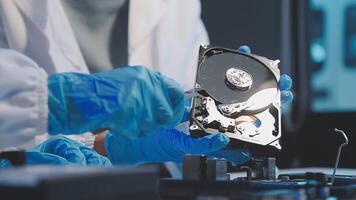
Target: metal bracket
pixel 338 153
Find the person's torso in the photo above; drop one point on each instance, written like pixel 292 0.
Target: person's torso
pixel 163 35
pixel 100 28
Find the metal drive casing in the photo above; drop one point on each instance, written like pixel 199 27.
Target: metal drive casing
pixel 237 94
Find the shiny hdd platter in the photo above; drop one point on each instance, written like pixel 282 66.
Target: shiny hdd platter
pixel 237 94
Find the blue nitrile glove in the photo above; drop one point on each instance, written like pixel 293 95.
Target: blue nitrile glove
pixel 34 157
pixel 165 145
pixel 38 158
pixel 61 150
pixel 285 82
pixel 128 101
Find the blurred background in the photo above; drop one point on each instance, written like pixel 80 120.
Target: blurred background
pixel 316 43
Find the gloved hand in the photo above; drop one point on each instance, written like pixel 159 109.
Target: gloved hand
pixel 166 145
pixel 128 101
pixel 61 150
pixel 285 82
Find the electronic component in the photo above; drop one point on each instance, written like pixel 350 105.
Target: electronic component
pixel 339 152
pixel 208 178
pixel 237 94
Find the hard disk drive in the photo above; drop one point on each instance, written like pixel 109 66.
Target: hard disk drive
pixel 237 94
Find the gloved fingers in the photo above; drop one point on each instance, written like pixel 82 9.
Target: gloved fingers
pixel 160 146
pixel 286 96
pixel 72 155
pixel 285 82
pixel 37 158
pixel 207 144
pixel 175 91
pixel 93 158
pixel 65 148
pixel 165 114
pixel 244 49
pixel 171 103
pixel 186 115
pixel 171 144
pixel 238 156
pixel 187 109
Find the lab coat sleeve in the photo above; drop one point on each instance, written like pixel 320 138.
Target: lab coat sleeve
pixel 23 99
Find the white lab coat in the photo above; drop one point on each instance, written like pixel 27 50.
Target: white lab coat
pixel 36 39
